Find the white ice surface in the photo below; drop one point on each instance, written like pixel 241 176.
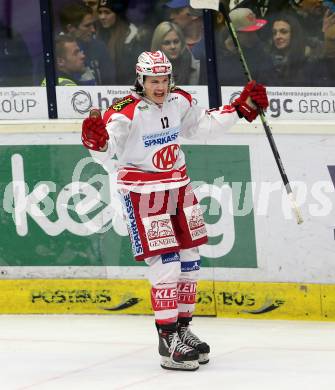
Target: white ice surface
pixel 81 352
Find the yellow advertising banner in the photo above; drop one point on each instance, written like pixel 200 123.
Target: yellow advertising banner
pixel 268 300
pixel 289 301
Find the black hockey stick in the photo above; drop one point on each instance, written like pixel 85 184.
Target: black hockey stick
pixel 217 6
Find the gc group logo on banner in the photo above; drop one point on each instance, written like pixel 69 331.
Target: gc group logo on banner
pixel 65 212
pixel 289 103
pixel 23 103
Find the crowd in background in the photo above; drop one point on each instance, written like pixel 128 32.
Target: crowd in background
pixel 96 42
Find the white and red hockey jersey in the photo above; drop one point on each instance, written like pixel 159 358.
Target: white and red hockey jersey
pixel 145 138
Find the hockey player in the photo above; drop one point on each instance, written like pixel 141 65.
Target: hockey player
pixel 164 219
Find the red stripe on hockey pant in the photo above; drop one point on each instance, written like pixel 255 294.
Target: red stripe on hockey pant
pixel 130 175
pixel 166 321
pixel 185 315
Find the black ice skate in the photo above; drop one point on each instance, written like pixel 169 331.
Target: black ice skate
pixel 175 355
pixel 190 339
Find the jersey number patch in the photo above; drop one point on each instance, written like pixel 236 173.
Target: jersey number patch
pixel 165 122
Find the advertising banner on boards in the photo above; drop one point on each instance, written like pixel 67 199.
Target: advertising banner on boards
pixel 58 209
pixel 292 103
pixel 76 102
pixel 286 103
pixel 23 103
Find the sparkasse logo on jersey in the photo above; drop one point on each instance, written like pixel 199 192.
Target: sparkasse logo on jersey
pixel 161 138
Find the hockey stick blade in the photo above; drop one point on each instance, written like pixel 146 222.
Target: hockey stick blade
pixel 205 4
pixel 295 208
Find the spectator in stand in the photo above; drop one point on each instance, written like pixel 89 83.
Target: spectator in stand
pixel 93 4
pixel 310 14
pixel 14 53
pixel 262 8
pixel 291 67
pixel 78 21
pixel 121 38
pixel 70 61
pixel 221 32
pixel 191 23
pixel 326 66
pixel 230 69
pixel 307 10
pixel 146 15
pixel 169 38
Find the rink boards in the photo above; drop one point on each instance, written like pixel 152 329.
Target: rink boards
pixel 63 249
pixel 222 299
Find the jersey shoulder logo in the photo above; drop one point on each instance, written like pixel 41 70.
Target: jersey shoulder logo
pixel 125 106
pixel 180 91
pixel 120 104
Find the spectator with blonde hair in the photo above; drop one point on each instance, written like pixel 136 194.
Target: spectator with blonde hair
pixel 169 38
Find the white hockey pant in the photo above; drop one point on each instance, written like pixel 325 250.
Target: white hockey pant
pixel 173 277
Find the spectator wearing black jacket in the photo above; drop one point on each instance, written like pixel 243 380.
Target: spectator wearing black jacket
pixel 121 37
pixel 291 66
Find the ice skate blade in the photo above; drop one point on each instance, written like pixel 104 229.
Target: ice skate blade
pixel 168 364
pixel 203 358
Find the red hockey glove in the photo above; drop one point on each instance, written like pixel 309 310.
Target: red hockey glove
pixel 257 93
pixel 259 97
pixel 94 134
